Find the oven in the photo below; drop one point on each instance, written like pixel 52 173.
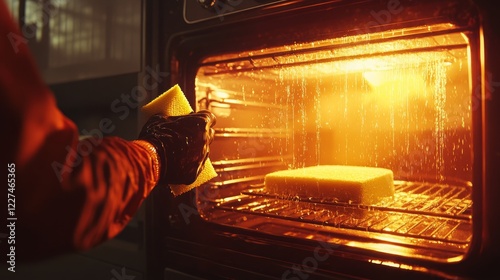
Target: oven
pixel 408 86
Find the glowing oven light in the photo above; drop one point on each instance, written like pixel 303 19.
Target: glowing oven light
pixel 218 94
pixel 393 264
pixel 218 107
pixel 383 247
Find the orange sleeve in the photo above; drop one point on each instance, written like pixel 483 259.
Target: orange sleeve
pixel 70 194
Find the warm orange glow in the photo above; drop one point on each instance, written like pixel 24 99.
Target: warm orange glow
pixel 393 264
pixel 399 100
pixel 383 247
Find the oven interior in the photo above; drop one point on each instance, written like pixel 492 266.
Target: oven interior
pixel 397 99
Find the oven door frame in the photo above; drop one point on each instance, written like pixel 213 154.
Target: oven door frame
pixel 175 234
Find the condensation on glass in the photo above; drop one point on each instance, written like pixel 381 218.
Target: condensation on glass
pixel 399 100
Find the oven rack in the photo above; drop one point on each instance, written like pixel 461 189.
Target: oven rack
pixel 429 199
pixel 341 50
pixel 432 213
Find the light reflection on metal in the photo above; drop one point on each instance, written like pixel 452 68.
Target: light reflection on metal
pixel 380 99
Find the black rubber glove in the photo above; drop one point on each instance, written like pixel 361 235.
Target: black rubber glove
pixel 182 144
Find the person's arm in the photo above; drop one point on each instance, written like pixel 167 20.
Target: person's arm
pixel 69 194
pixel 73 194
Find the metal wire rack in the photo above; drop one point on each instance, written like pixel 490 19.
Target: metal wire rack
pixel 437 213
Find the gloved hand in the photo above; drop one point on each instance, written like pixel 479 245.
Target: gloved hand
pixel 182 144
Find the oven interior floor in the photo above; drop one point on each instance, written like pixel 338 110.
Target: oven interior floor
pixel 422 218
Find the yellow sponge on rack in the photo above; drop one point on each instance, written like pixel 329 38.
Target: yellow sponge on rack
pixel 173 102
pixel 360 184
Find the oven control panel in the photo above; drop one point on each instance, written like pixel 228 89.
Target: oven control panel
pixel 201 10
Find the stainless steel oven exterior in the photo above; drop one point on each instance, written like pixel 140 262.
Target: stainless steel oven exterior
pixel 181 244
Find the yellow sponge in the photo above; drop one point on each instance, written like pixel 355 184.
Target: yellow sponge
pixel 360 184
pixel 173 102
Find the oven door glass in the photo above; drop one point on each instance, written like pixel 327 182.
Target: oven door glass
pixel 399 100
